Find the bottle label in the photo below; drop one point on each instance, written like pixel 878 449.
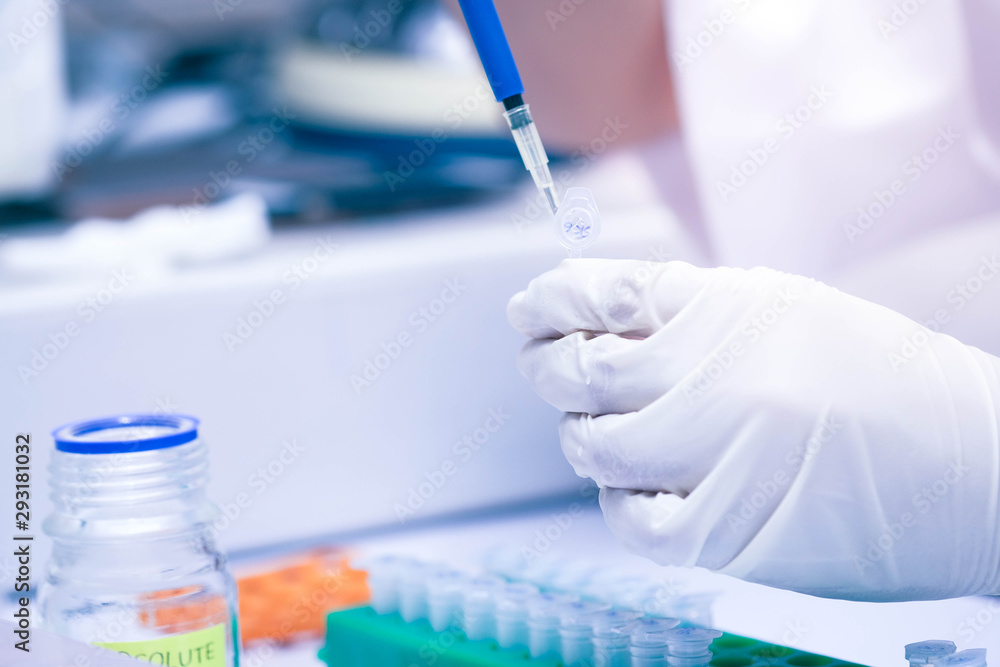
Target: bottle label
pixel 201 648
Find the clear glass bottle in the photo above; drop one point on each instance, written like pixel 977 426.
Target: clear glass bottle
pixel 134 565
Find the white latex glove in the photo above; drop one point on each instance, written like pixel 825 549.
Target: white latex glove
pixel 772 428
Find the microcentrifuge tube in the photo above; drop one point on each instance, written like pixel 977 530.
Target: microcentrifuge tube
pixel 578 223
pixel 973 657
pixel 688 647
pixel 611 637
pixel 383 581
pixel 924 653
pixel 543 624
pixel 479 607
pixel 648 641
pixel 575 632
pixel 512 613
pixel 413 590
pixel 444 599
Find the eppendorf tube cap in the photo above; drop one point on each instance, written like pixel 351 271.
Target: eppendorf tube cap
pixel 690 642
pixel 445 589
pixel 578 223
pixel 384 575
pixel 973 657
pixel 543 623
pixel 648 641
pixel 575 631
pixel 613 623
pixel 512 602
pixel 413 591
pixel 479 607
pixel 923 653
pixel 650 631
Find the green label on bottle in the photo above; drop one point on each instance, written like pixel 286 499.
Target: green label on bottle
pixel 201 648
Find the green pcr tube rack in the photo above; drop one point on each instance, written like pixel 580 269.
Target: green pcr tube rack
pixel 361 637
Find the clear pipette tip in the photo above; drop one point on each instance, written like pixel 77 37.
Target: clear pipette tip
pixel 529 145
pixel 551 196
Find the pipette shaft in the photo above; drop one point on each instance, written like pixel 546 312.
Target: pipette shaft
pixel 498 62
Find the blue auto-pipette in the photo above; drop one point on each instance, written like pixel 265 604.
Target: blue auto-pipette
pixel 494 52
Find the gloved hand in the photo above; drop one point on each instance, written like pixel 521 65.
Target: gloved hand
pixel 772 428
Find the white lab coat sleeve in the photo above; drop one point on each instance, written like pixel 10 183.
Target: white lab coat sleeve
pixel 825 134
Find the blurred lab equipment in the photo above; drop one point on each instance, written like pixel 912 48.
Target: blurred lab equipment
pixel 135 567
pixel 320 120
pixel 33 105
pixel 154 242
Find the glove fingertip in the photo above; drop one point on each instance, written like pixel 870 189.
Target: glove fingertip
pixel 639 520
